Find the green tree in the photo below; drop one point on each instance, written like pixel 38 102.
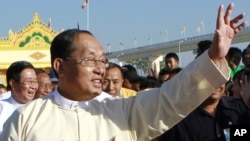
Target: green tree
pixel 141 64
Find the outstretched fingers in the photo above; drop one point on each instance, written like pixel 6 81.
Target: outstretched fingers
pixel 220 17
pixel 235 21
pixel 226 28
pixel 227 17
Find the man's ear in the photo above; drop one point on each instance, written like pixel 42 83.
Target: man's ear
pixel 12 83
pixel 57 65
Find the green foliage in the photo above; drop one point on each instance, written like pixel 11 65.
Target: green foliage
pixel 27 40
pixel 162 64
pixel 46 39
pixel 35 35
pixel 140 64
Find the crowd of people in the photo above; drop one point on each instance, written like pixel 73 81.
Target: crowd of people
pixel 89 98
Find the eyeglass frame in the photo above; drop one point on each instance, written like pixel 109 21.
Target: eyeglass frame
pixel 45 85
pixel 93 62
pixel 29 82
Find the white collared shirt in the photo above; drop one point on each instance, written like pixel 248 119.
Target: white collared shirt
pixel 71 104
pixel 6 109
pixel 5 95
pixel 13 102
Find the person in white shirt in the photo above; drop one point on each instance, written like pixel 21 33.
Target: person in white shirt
pixel 22 83
pixel 79 62
pixel 5 95
pixel 6 110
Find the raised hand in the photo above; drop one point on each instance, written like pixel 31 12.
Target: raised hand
pixel 226 28
pixel 154 71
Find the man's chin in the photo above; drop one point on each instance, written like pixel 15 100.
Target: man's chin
pixel 97 93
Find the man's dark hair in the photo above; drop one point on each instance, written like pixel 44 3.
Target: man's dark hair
pixel 138 79
pixel 172 55
pixel 164 71
pixel 114 65
pixel 175 71
pixel 151 77
pixel 62 45
pixel 39 70
pixel 244 56
pixel 234 54
pixel 203 46
pixel 129 72
pixel 149 83
pixel 14 70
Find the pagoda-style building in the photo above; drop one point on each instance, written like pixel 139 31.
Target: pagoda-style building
pixel 32 43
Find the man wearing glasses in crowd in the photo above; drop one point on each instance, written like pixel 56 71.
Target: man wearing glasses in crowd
pixel 79 62
pixel 45 85
pixel 22 83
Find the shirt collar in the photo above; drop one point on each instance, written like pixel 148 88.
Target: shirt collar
pixel 67 103
pixel 14 102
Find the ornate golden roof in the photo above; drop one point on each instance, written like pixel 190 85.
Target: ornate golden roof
pixel 31 44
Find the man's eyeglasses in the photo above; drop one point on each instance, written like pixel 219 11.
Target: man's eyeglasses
pixel 90 62
pixel 43 86
pixel 30 82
